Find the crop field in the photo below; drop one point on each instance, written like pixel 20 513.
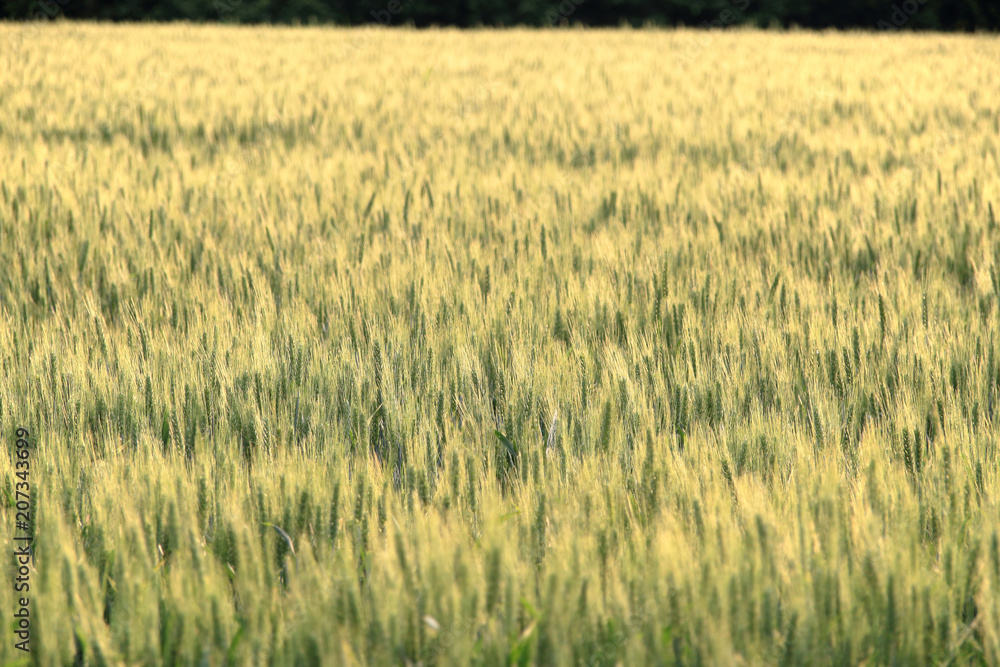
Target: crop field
pixel 500 347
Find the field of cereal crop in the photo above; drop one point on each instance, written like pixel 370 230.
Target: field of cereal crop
pixel 575 347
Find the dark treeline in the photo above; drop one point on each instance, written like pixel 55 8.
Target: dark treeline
pixel 963 15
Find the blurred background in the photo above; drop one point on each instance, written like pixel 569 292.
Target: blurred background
pixel 959 15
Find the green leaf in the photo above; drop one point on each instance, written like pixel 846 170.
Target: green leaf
pixel 505 441
pixel 285 536
pixel 231 653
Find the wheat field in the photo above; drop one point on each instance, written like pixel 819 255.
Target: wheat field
pixel 512 347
